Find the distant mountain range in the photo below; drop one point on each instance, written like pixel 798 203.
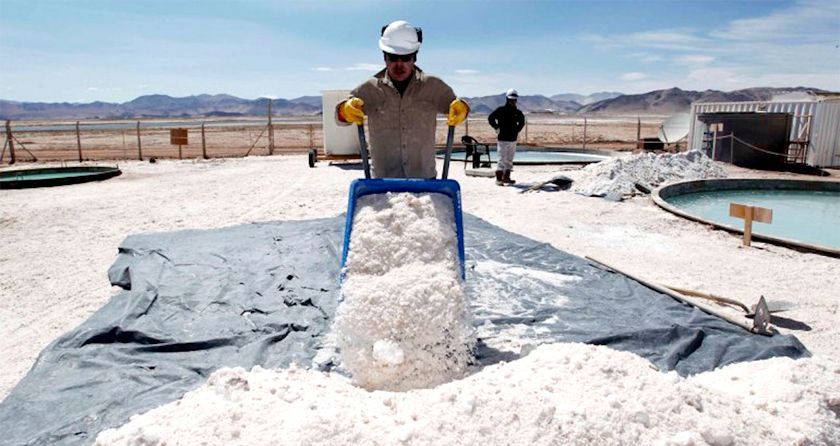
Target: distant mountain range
pixel 154 106
pixel 675 100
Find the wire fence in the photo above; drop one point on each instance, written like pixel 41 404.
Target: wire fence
pixel 127 140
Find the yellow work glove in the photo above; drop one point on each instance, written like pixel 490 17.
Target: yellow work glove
pixel 352 111
pixel 458 111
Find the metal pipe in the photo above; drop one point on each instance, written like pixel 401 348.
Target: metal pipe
pixel 450 136
pixel 363 149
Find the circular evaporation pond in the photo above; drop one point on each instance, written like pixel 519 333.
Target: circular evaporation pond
pixel 546 156
pixel 54 176
pixel 805 213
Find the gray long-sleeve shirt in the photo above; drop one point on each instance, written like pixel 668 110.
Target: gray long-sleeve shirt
pixel 402 128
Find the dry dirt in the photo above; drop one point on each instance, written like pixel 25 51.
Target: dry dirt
pixel 292 136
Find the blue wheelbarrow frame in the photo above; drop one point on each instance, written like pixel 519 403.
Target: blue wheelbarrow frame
pixel 361 187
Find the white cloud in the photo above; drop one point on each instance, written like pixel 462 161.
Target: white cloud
pixel 668 39
pixel 651 58
pixel 466 71
pixel 365 67
pixel 792 44
pixel 694 60
pixel 633 76
pixel 714 76
pixel 92 88
pixel 642 56
pixel 323 69
pixel 805 21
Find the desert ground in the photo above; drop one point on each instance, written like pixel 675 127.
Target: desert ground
pixel 59 242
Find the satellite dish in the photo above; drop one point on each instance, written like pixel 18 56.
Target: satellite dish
pixel 674 128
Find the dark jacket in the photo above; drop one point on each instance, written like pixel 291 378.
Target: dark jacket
pixel 508 120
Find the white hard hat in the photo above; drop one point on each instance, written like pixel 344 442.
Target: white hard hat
pixel 512 94
pixel 401 38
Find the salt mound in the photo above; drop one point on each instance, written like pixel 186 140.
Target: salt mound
pixel 617 176
pixel 558 394
pixel 403 322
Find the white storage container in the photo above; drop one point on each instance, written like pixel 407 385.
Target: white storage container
pixel 817 121
pixel 338 139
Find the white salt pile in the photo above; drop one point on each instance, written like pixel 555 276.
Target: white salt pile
pixel 617 176
pixel 403 322
pixel 559 394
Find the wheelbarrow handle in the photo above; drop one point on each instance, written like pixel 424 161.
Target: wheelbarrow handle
pixel 364 151
pixel 450 136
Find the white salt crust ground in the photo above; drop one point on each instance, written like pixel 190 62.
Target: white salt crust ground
pixel 558 394
pixel 403 321
pixel 58 244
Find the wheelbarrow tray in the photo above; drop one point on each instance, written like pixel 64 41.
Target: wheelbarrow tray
pixel 361 187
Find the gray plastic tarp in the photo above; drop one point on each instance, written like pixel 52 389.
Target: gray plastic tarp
pixel 264 294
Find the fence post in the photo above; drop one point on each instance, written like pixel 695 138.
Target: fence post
pixel 139 149
pixel 270 131
pixel 11 142
pixel 639 144
pixel 584 132
pixel 78 141
pixel 714 142
pixel 203 142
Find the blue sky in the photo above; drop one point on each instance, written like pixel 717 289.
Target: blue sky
pixel 114 51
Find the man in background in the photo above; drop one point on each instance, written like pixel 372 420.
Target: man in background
pixel 508 121
pixel 402 103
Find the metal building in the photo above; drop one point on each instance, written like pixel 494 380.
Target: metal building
pixel 814 131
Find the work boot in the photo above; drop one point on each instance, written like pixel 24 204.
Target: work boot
pixel 506 178
pixel 499 181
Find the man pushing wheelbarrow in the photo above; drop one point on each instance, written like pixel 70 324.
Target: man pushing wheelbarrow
pixel 402 103
pixel 403 321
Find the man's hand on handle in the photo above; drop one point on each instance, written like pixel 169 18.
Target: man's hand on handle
pixel 352 111
pixel 458 111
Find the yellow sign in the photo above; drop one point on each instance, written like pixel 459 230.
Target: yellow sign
pixel 178 137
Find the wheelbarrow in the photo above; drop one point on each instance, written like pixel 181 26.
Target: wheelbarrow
pixel 367 186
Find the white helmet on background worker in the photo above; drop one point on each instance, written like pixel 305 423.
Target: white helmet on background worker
pixel 400 38
pixel 512 94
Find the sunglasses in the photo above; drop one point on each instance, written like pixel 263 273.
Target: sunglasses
pixel 400 57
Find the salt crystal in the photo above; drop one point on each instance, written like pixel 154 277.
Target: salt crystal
pixel 403 321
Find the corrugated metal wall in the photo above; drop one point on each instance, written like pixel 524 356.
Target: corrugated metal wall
pixel 825 135
pixel 824 149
